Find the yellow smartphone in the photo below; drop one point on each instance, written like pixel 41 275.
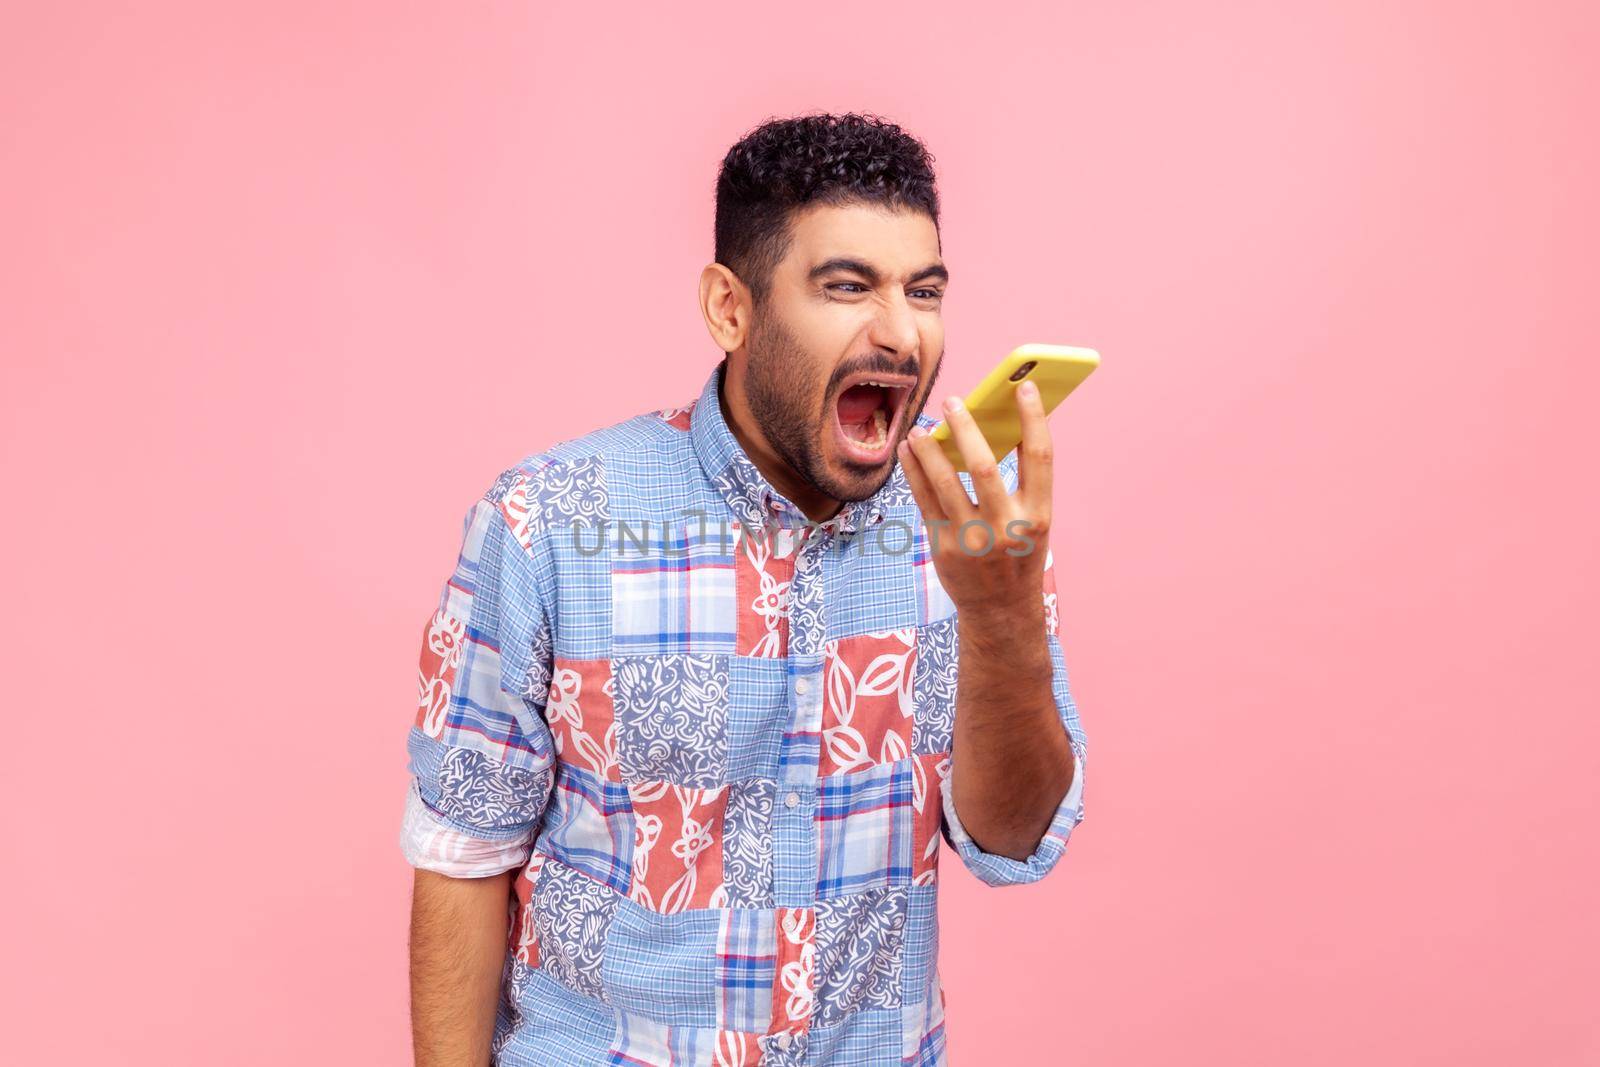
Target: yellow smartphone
pixel 1056 369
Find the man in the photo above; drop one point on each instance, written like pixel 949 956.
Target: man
pixel 709 686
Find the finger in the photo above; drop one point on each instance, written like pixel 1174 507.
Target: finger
pixel 1035 470
pixel 921 490
pixel 981 465
pixel 936 468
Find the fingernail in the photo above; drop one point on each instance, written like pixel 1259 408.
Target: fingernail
pixel 1028 389
pixel 952 404
pixel 918 431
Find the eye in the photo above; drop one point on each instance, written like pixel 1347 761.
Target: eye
pixel 930 294
pixel 842 285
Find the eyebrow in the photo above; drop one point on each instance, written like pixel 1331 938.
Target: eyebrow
pixel 856 266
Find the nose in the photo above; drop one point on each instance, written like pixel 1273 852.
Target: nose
pixel 894 328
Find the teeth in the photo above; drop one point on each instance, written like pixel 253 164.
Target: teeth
pixel 879 427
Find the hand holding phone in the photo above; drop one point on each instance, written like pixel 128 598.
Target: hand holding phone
pixel 990 548
pixel 1056 369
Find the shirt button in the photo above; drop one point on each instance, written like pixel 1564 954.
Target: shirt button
pixel 792 800
pixel 783 1036
pixel 801 685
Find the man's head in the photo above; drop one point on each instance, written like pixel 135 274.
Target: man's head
pixel 827 278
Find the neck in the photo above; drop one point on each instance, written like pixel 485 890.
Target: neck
pixel 817 506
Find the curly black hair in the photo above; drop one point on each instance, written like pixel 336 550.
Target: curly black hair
pixel 784 164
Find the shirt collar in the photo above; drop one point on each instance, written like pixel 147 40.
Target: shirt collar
pixel 751 497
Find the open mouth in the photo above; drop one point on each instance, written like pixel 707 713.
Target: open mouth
pixel 868 414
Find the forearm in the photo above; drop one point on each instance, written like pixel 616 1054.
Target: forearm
pixel 1011 761
pixel 458 948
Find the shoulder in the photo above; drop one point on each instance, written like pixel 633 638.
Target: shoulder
pixel 573 481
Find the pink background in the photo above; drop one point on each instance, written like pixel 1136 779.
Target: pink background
pixel 286 285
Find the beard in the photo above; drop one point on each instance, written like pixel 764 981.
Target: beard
pixel 780 389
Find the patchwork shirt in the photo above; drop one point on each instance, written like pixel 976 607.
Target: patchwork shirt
pixel 713 741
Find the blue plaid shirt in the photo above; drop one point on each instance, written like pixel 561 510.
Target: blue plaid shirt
pixel 713 741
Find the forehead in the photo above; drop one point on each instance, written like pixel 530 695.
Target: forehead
pixel 895 241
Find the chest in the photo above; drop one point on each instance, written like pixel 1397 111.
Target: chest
pixel 692 650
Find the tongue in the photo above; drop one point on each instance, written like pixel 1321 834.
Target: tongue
pixel 857 403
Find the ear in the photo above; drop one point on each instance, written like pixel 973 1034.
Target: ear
pixel 725 304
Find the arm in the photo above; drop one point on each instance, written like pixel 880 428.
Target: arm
pixel 1013 761
pixel 458 950
pixel 482 767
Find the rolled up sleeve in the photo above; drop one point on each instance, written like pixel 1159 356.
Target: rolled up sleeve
pixel 481 755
